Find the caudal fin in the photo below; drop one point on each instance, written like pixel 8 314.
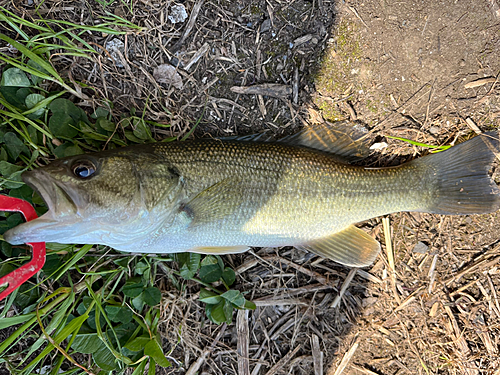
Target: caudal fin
pixel 461 181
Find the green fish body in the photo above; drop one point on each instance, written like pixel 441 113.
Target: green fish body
pixel 222 196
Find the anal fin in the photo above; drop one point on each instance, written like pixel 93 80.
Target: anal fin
pixel 219 250
pixel 351 247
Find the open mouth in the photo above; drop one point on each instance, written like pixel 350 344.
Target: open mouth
pixel 57 224
pixel 57 199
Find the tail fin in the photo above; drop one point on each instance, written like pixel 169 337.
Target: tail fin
pixel 461 182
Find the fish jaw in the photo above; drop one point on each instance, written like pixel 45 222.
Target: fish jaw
pixel 42 229
pixel 59 222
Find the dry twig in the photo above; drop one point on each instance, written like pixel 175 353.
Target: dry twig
pixel 390 256
pixel 274 90
pixel 317 355
pixel 193 369
pixel 279 365
pixel 243 342
pixel 192 20
pixel 345 359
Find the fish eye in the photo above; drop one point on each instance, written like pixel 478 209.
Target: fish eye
pixel 84 169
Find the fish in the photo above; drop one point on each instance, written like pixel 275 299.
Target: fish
pixel 224 196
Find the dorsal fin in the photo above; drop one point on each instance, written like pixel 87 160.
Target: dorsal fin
pixel 345 139
pixel 349 141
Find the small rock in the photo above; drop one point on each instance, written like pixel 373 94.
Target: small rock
pixel 176 62
pixel 420 248
pixel 177 13
pixel 113 46
pixel 167 74
pixel 265 26
pixel 434 130
pixel 378 146
pixel 12 49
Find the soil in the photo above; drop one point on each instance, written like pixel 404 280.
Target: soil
pixel 423 70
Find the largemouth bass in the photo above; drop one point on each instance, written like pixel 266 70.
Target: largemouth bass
pixel 222 196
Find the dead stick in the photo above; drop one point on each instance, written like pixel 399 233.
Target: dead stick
pixel 317 355
pixel 345 359
pixel 390 256
pixel 274 90
pixel 346 284
pixel 196 366
pixel 279 365
pixel 320 278
pixel 243 345
pixel 189 27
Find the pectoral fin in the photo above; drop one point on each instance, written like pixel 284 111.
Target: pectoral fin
pixel 351 247
pixel 219 250
pixel 215 202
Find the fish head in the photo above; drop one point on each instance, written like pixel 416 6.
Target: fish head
pixel 90 199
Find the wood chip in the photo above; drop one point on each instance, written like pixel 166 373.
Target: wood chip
pixel 405 303
pixel 279 302
pixel 434 309
pixel 301 40
pixel 167 74
pixel 274 90
pixel 368 276
pixel 473 125
pixel 295 88
pixel 262 105
pixel 455 332
pixel 432 273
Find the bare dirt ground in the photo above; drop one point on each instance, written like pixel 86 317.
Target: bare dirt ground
pixel 423 70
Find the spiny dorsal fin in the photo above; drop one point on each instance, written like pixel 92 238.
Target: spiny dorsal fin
pixel 351 247
pixel 349 141
pixel 345 139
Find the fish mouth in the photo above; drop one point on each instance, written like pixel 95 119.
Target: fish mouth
pixel 59 200
pixel 55 224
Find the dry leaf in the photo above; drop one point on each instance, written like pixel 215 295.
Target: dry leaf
pixel 166 73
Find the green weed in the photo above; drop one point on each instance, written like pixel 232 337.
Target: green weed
pixel 433 147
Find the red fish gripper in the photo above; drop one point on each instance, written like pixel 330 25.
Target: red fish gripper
pixel 16 278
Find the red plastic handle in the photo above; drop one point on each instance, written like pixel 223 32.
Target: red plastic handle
pixel 17 277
